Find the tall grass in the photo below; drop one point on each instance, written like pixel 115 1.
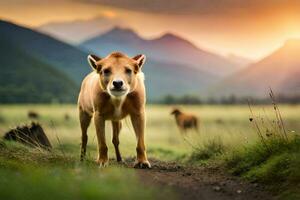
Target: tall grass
pixel 266 128
pixel 274 160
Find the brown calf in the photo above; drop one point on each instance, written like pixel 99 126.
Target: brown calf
pixel 33 115
pixel 113 91
pixel 185 121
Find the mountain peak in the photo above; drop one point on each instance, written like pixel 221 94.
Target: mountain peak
pixel 121 29
pixel 169 36
pixel 122 32
pixel 173 39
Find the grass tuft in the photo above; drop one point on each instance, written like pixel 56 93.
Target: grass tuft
pixel 208 150
pixel 253 157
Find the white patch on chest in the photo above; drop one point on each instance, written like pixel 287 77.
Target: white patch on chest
pixel 117 103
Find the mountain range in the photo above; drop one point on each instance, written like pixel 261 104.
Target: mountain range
pixel 71 62
pixel 78 31
pixel 173 63
pixel 174 66
pixel 168 48
pixel 279 71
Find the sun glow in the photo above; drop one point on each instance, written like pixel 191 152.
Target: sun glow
pixel 252 35
pixel 109 14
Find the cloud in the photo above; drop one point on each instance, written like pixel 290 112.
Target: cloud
pixel 202 7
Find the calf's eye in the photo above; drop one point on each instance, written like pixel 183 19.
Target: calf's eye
pixel 128 71
pixel 106 72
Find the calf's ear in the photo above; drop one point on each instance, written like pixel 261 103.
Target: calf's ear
pixel 140 59
pixel 92 60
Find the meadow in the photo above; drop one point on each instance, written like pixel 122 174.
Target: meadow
pixel 61 172
pixel 229 123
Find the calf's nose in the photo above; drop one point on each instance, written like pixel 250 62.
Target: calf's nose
pixel 118 84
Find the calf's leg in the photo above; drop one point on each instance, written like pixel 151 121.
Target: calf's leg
pixel 117 125
pixel 85 120
pixel 138 123
pixel 99 121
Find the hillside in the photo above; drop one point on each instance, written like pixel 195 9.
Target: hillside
pixel 168 48
pixel 163 78
pixel 280 71
pixel 24 79
pixel 64 57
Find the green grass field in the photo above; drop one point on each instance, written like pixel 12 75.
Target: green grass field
pixel 229 123
pixel 61 173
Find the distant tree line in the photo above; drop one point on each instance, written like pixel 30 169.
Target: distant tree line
pixel 185 99
pixel 229 100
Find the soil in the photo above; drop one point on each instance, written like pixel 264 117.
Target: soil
pixel 200 182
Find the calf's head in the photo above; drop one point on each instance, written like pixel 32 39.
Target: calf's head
pixel 175 111
pixel 118 72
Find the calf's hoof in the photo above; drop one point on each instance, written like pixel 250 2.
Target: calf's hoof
pixel 119 160
pixel 142 164
pixel 102 163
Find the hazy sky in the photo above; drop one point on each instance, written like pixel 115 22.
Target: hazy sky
pixel 248 28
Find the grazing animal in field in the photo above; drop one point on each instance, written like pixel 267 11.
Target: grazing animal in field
pixel 32 135
pixel 33 115
pixel 114 90
pixel 185 121
pixel 67 117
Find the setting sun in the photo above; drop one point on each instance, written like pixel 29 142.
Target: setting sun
pixel 109 14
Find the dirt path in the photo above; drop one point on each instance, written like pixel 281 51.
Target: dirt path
pixel 203 183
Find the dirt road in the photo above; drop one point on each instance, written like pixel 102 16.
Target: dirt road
pixel 203 183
